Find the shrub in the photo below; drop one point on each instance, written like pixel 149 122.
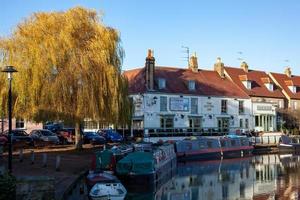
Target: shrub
pixel 7 187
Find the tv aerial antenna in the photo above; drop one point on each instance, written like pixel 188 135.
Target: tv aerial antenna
pixel 287 61
pixel 240 57
pixel 187 52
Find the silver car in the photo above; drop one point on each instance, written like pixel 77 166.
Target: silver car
pixel 44 135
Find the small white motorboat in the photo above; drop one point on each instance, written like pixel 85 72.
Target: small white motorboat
pixel 108 191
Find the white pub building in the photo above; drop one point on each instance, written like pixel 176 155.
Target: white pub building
pixel 171 101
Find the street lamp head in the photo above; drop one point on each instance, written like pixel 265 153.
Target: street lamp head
pixel 9 70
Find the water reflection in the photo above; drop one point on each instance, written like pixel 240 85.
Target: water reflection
pixel 260 178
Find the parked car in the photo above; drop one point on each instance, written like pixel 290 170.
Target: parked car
pixel 54 127
pixel 93 138
pixel 19 137
pixel 44 135
pixel 111 135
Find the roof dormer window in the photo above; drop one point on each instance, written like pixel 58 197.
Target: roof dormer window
pixel 268 83
pixel 161 83
pixel 270 86
pixel 247 84
pixel 192 85
pixel 293 88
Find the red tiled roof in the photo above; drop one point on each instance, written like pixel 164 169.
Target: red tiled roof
pixel 266 80
pixel 243 78
pixel 289 83
pixel 257 78
pixel 284 81
pixel 208 83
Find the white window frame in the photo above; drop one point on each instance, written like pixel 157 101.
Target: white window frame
pixel 192 85
pixel 161 83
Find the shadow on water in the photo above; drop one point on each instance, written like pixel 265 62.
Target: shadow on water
pixel 258 178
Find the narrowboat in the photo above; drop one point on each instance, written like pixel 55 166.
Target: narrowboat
pixel 143 171
pixel 106 160
pixel 288 145
pixel 198 148
pixel 235 146
pixel 210 148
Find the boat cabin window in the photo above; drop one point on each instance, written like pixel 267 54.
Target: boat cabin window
pixel 188 146
pixel 223 143
pixel 233 143
pixel 209 144
pixel 244 142
pixel 202 145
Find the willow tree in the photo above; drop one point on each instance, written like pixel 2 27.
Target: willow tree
pixel 69 68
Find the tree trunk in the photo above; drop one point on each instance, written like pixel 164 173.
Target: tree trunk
pixel 78 140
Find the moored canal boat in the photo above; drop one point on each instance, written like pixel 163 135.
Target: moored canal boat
pixel 106 159
pixel 146 171
pixel 198 148
pixel 210 148
pixel 288 144
pixel 235 146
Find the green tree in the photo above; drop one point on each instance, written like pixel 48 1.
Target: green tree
pixel 69 67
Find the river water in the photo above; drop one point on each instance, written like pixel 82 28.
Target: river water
pixel 261 177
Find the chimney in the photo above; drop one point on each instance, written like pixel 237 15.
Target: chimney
pixel 219 67
pixel 149 67
pixel 193 64
pixel 244 66
pixel 288 72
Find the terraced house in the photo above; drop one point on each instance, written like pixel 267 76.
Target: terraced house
pixel 290 87
pixel 265 94
pixel 172 100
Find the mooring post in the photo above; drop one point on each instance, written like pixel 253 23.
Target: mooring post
pixel 57 164
pixel 21 155
pixel 32 157
pixel 45 160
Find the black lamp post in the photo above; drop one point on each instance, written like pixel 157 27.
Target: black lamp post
pixel 9 70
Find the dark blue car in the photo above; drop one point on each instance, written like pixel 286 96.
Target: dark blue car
pixel 93 138
pixel 111 135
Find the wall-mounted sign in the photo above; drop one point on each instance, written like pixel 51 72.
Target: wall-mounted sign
pixel 138 104
pixel 179 104
pixel 264 108
pixel 209 106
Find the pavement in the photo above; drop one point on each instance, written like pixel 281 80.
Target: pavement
pixel 72 164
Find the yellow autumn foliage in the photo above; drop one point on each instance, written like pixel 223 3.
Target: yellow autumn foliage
pixel 69 67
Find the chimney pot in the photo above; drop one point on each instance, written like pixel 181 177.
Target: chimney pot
pixel 288 72
pixel 219 67
pixel 150 53
pixel 193 64
pixel 150 70
pixel 244 66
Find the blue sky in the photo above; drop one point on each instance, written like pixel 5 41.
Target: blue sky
pixel 267 32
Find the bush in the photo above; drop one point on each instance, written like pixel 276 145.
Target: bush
pixel 296 131
pixel 7 187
